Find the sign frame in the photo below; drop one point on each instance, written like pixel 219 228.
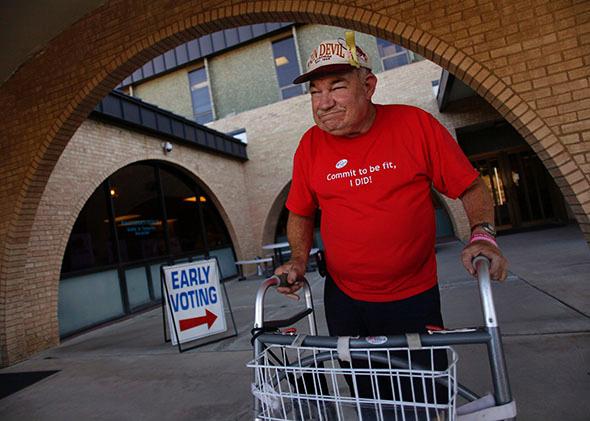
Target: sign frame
pixel 216 337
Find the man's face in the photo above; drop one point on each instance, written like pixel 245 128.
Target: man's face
pixel 341 102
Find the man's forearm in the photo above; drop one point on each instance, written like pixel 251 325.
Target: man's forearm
pixel 479 207
pixel 300 235
pixel 478 204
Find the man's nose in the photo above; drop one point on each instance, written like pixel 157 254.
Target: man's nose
pixel 325 101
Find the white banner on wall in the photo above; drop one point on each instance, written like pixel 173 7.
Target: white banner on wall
pixel 194 300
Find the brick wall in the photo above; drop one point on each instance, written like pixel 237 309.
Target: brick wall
pixel 95 152
pixel 529 58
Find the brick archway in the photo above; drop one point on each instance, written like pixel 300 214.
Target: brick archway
pixel 61 233
pixel 271 220
pixel 518 61
pixel 71 185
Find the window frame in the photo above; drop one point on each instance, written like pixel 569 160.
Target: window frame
pixel 206 83
pixel 291 85
pixel 121 265
pixel 383 58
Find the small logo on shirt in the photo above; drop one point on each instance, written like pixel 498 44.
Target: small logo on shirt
pixel 342 163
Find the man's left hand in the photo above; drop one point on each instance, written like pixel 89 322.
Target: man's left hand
pixel 498 263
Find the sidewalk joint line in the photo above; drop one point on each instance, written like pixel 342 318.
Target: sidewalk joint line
pixel 554 297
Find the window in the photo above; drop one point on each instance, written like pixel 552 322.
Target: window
pixel 91 241
pixel 392 55
pixel 138 213
pixel 287 67
pixel 111 266
pixel 217 235
pixel 200 95
pixel 182 213
pixel 435 85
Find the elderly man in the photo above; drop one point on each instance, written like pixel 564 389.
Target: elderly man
pixel 370 169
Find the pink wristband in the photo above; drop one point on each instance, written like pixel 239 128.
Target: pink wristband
pixel 483 237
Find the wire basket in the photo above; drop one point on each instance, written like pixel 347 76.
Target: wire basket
pixel 309 383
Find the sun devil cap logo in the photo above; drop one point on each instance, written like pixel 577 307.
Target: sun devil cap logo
pixel 342 163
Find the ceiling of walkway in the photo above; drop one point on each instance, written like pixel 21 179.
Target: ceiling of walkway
pixel 27 26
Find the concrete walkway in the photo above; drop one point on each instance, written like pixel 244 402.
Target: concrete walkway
pixel 125 371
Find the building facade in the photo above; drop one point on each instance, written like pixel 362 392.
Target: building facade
pixel 165 208
pixel 493 69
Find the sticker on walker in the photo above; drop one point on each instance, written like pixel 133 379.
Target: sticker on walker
pixel 194 302
pixel 376 340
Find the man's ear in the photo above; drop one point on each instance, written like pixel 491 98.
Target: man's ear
pixel 370 84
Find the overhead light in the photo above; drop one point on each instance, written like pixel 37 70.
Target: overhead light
pixel 123 218
pixel 113 192
pixel 202 199
pixel 279 61
pixel 159 222
pixel 129 217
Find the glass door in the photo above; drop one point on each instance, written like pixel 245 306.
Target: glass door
pixel 492 174
pixel 523 191
pixel 535 191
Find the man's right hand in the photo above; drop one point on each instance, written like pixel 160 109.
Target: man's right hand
pixel 295 270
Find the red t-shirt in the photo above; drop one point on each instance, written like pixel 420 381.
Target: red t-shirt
pixel 374 192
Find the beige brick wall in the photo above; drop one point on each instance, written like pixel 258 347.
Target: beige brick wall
pixel 495 47
pixel 95 152
pixel 170 91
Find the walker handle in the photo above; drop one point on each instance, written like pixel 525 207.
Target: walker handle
pixel 276 281
pixel 502 392
pixel 482 266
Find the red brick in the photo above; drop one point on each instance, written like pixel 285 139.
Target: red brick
pixel 583 52
pixel 569 139
pixel 505 51
pixel 574 106
pixel 578 126
pixel 554 100
pixel 565 65
pixel 539 41
pixel 571 86
pixel 561 119
pixel 581 94
pixel 549 80
pixel 579 73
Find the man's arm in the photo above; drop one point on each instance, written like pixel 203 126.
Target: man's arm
pixel 479 207
pixel 300 235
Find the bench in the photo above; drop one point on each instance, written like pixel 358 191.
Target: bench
pixel 259 262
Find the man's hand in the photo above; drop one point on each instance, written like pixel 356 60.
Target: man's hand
pixel 479 207
pixel 498 263
pixel 295 270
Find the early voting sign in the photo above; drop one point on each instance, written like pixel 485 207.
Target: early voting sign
pixel 194 300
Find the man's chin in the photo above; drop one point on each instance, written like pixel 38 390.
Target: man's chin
pixel 330 126
pixel 336 131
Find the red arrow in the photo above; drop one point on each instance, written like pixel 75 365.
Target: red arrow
pixel 209 318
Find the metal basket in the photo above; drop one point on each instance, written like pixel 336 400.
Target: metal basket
pixel 309 383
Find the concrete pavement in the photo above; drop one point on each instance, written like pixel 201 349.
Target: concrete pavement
pixel 126 371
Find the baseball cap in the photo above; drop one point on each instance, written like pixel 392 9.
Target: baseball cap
pixel 334 56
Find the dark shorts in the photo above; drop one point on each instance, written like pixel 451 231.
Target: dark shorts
pixel 348 317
